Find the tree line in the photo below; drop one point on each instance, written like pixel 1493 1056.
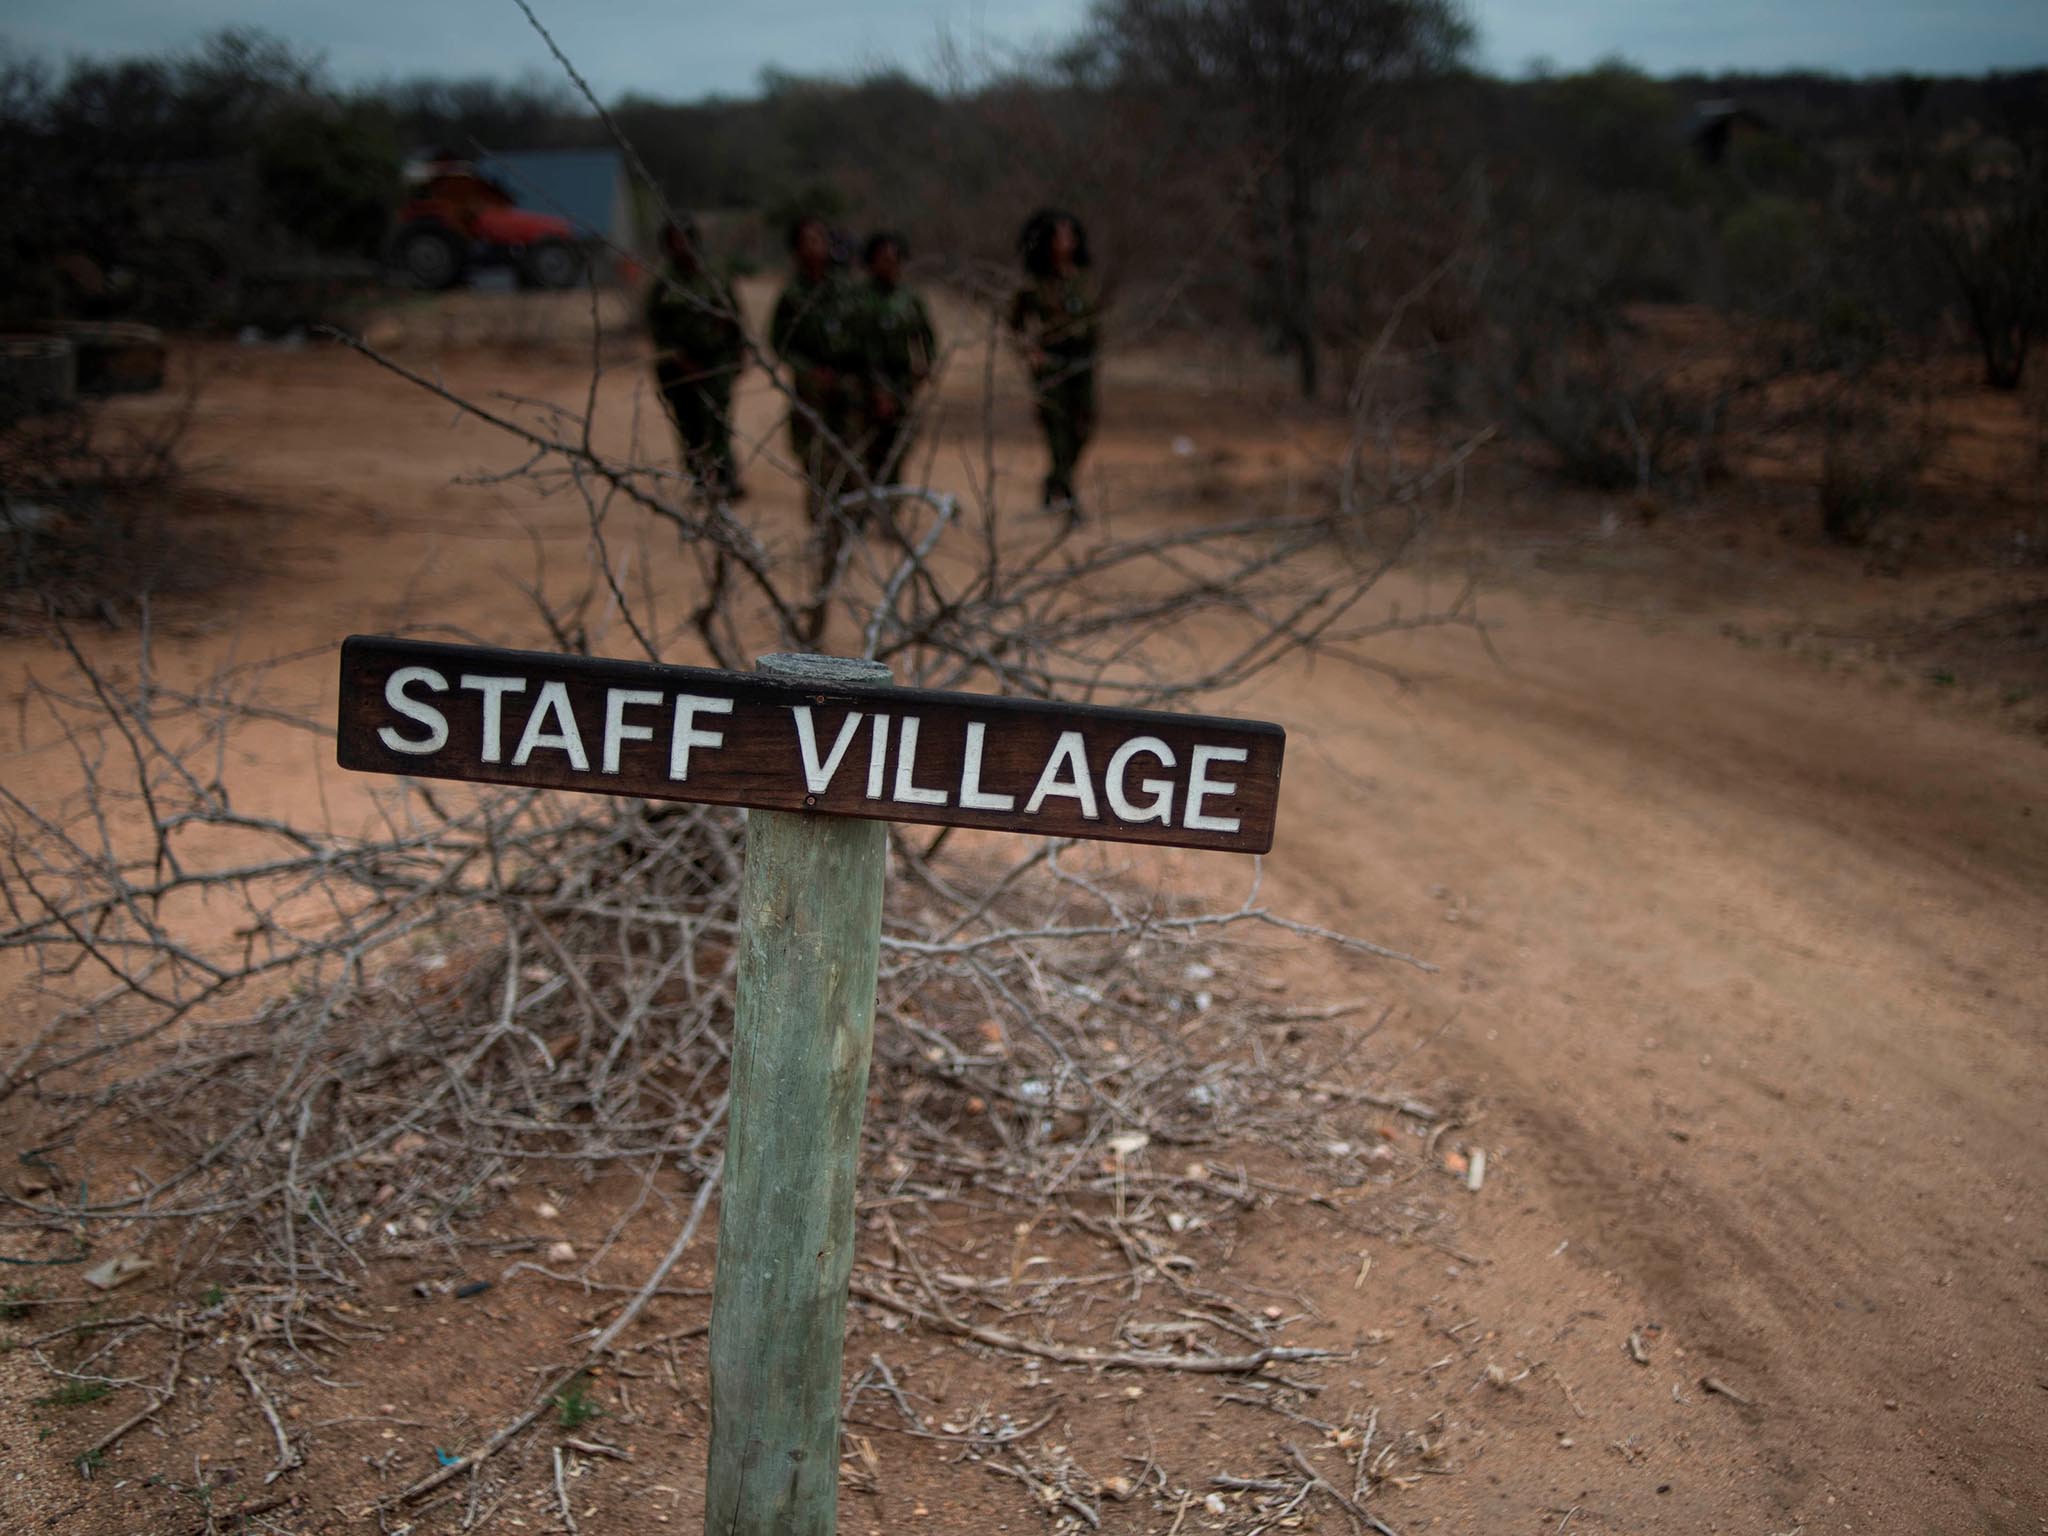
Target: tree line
pixel 1295 173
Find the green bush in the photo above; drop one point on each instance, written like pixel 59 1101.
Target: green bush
pixel 330 173
pixel 1769 249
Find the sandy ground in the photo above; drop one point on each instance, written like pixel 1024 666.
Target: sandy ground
pixel 1741 966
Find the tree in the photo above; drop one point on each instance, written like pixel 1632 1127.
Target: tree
pixel 1991 232
pixel 1294 81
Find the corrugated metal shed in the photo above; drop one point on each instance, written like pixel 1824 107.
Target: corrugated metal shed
pixel 585 186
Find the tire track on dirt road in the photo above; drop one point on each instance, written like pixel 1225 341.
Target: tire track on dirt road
pixel 1750 958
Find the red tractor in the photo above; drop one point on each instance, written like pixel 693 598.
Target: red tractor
pixel 456 218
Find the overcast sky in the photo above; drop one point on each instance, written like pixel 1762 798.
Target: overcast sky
pixel 690 48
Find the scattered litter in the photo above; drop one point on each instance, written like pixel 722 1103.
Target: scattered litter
pixel 1636 1351
pixel 1128 1143
pixel 1214 1504
pixel 117 1271
pixel 546 1212
pixel 445 1458
pixel 1475 1174
pixel 561 1253
pixel 1721 1388
pixel 1456 1163
pixel 472 1288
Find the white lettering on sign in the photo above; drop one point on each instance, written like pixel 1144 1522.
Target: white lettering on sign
pixel 552 703
pixel 907 792
pixel 1160 807
pixel 1201 787
pixel 972 796
pixel 415 710
pixel 878 755
pixel 616 731
pixel 494 690
pixel 1072 752
pixel 688 707
pixel 947 759
pixel 817 775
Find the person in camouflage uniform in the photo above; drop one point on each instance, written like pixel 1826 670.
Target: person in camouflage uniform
pixel 693 317
pixel 1057 320
pixel 813 333
pixel 898 349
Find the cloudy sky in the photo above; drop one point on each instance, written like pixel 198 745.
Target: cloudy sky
pixel 691 48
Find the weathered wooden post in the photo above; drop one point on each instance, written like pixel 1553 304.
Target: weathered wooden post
pixel 810 933
pixel 822 752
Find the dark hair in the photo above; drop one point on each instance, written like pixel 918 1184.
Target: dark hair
pixel 802 222
pixel 880 238
pixel 682 227
pixel 1034 240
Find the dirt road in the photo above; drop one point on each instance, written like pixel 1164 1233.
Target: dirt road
pixel 1742 959
pixel 1750 962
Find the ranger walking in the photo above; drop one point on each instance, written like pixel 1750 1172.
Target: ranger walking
pixel 812 332
pixel 1057 320
pixel 700 344
pixel 898 348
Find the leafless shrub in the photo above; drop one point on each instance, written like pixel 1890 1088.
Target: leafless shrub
pixel 90 524
pixel 1613 428
pixel 1874 452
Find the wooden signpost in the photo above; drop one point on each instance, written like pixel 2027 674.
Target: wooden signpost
pixel 826 750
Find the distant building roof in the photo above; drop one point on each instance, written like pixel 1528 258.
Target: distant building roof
pixel 584 186
pixel 1715 122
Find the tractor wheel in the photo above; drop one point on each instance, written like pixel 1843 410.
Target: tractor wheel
pixel 552 264
pixel 430 256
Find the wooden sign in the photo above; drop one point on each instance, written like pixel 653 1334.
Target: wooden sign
pixel 776 743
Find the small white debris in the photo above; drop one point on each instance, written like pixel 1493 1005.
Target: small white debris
pixel 117 1271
